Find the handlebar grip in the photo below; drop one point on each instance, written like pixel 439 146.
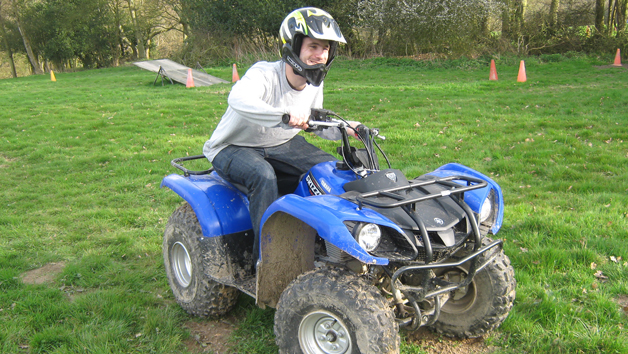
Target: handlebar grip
pixel 285 118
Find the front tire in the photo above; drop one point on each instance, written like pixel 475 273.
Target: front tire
pixel 197 294
pixel 484 304
pixel 333 311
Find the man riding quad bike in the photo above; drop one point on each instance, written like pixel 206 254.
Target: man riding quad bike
pixel 349 254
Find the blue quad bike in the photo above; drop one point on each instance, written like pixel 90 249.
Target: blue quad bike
pixel 349 254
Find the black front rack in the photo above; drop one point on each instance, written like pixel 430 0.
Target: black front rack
pixel 454 188
pixel 416 294
pixel 408 204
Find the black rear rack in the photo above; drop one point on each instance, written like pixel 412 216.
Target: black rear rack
pixel 187 172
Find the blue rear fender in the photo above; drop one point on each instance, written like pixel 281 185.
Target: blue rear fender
pixel 475 198
pixel 220 208
pixel 326 214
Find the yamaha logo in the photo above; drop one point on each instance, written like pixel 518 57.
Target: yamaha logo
pixel 314 189
pixel 439 221
pixel 294 64
pixel 391 176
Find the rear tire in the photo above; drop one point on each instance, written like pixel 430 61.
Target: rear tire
pixel 332 311
pixel 194 291
pixel 486 302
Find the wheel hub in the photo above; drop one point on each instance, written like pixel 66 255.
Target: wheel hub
pixel 181 264
pixel 321 332
pixel 462 298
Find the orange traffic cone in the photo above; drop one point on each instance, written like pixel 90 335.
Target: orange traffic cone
pixel 52 76
pixel 234 76
pixel 190 82
pixel 617 59
pixel 522 72
pixel 493 73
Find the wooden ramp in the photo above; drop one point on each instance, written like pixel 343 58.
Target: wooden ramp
pixel 177 72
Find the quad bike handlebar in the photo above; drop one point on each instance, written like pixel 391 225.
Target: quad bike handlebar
pixel 359 160
pixel 322 118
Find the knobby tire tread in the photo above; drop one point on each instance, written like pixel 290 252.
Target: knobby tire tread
pixel 208 298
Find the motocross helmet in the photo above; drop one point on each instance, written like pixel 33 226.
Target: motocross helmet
pixel 314 23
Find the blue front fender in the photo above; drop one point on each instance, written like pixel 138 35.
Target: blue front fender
pixel 476 197
pixel 326 214
pixel 219 207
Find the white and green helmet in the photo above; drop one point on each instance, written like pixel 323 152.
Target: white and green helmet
pixel 314 23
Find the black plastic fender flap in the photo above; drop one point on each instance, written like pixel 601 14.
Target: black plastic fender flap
pixel 287 251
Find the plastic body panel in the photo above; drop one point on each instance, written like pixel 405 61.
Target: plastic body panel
pixel 220 208
pixel 326 215
pixel 327 180
pixel 475 198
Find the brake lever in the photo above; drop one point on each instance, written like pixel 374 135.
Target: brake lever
pixel 375 133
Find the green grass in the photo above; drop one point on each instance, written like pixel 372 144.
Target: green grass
pixel 81 160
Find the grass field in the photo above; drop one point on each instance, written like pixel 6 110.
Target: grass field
pixel 81 160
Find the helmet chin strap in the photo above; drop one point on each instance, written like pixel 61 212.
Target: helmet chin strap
pixel 314 74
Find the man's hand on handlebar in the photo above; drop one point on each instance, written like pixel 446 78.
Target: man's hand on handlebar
pixel 303 120
pixel 299 119
pixel 353 125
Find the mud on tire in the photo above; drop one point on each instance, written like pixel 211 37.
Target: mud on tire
pixel 197 294
pixel 330 310
pixel 487 301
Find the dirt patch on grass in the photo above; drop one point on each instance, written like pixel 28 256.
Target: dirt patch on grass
pixel 436 344
pixel 43 275
pixel 622 301
pixel 210 336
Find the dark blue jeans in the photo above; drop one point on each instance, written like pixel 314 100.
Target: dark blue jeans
pixel 255 169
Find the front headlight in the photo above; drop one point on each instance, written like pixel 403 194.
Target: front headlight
pixel 485 211
pixel 368 236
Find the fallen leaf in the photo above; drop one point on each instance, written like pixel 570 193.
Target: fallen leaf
pixel 600 276
pixel 593 265
pixel 614 259
pixel 523 249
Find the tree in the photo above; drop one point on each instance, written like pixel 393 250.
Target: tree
pixel 513 18
pixel 5 41
pixel 404 27
pixel 148 18
pixel 622 7
pixel 553 14
pixel 17 6
pixel 599 16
